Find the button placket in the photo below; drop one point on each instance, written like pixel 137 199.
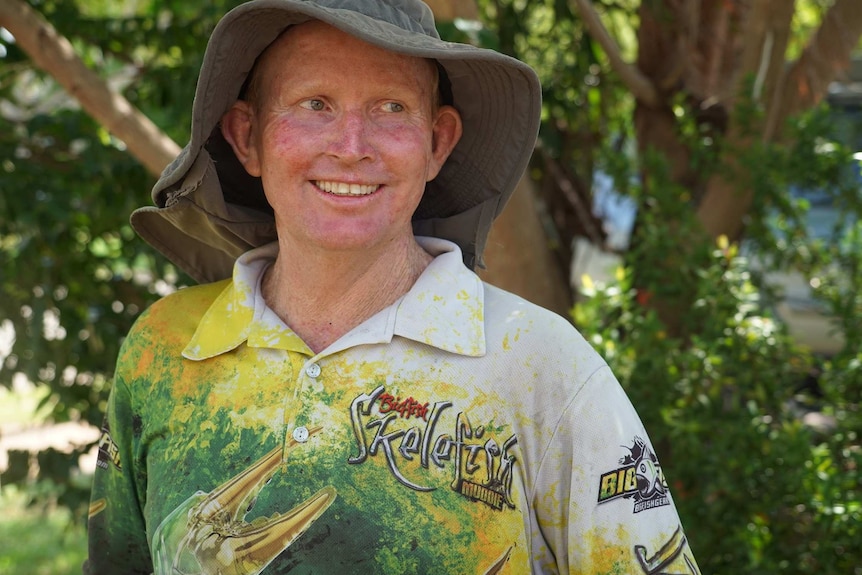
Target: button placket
pixel 295 422
pixel 298 425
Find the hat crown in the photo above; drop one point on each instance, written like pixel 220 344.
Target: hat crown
pixel 409 15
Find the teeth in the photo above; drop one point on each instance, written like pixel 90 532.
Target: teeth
pixel 343 189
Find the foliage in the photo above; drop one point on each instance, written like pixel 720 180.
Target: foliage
pixel 759 439
pixel 74 274
pixel 583 101
pixel 727 410
pixel 36 539
pixel 586 109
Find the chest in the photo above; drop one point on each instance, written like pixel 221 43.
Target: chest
pixel 386 461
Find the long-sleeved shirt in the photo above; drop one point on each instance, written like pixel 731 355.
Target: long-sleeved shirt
pixel 459 430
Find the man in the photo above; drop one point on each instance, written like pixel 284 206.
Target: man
pixel 346 396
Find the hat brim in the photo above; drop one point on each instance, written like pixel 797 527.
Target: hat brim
pixel 498 98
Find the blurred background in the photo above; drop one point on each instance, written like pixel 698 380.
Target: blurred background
pixel 692 207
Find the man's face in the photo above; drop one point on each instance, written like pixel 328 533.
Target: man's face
pixel 344 136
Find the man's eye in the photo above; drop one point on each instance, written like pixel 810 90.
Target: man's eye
pixel 393 107
pixel 314 104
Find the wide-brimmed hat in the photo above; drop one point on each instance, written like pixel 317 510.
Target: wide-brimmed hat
pixel 209 210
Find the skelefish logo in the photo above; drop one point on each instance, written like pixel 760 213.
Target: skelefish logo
pixel 407 434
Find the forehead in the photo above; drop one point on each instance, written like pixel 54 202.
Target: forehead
pixel 315 46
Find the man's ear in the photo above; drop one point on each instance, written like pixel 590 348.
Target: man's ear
pixel 446 133
pixel 236 127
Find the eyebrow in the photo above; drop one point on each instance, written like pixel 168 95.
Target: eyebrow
pixel 444 84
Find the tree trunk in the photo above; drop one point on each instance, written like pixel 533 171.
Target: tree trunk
pixel 727 200
pixel 448 10
pixel 519 259
pixel 55 55
pixel 825 57
pixel 706 51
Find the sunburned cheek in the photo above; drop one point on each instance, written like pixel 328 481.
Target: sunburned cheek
pixel 287 141
pixel 402 131
pixel 288 131
pixel 408 141
pixel 287 155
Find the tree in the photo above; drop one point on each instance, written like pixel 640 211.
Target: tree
pixel 55 54
pixel 719 92
pixel 74 275
pixel 710 79
pixel 713 54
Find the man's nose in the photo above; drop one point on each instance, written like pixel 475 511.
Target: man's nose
pixel 351 137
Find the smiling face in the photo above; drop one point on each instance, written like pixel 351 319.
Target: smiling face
pixel 344 136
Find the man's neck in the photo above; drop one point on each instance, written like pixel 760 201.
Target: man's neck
pixel 321 298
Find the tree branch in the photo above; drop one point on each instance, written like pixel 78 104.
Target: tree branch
pixel 639 84
pixel 55 55
pixel 826 55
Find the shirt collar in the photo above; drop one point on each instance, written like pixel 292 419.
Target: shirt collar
pixel 443 309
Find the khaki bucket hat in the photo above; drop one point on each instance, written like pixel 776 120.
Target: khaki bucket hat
pixel 208 210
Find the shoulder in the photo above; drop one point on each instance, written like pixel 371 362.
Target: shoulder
pixel 507 312
pixel 537 336
pixel 171 321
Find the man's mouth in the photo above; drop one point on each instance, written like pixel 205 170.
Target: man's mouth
pixel 345 189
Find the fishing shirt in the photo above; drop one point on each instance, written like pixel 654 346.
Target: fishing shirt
pixel 461 429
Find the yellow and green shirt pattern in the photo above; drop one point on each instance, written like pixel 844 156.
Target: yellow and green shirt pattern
pixel 460 430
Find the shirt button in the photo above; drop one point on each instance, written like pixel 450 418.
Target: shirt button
pixel 313 370
pixel 300 434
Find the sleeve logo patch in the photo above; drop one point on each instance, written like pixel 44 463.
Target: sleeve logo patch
pixel 639 477
pixel 109 451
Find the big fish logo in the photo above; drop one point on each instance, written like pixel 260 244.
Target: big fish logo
pixel 639 477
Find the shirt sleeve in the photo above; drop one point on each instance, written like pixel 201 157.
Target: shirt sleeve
pixel 117 531
pixel 602 502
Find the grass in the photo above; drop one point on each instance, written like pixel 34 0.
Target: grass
pixel 36 537
pixel 38 540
